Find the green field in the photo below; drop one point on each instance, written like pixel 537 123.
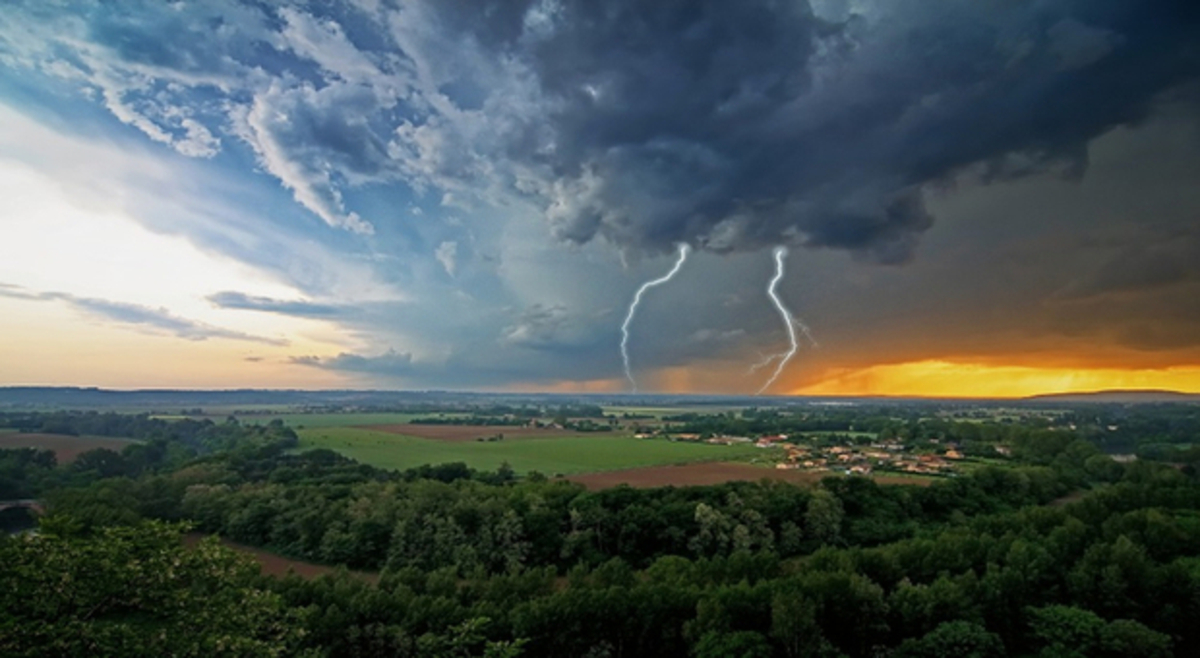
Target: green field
pixel 566 455
pixel 298 420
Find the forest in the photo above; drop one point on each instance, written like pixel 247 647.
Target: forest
pixel 1060 551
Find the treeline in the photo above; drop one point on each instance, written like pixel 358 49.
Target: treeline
pixel 516 416
pixel 1114 574
pixel 1164 432
pixel 885 423
pixel 192 435
pixel 162 446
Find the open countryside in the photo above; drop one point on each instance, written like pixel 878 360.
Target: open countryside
pixel 549 455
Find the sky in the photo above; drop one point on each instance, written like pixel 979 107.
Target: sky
pixel 984 198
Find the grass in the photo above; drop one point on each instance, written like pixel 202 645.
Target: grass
pixel 566 455
pixel 970 464
pixel 7 430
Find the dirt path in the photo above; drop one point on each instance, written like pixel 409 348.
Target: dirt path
pixel 276 565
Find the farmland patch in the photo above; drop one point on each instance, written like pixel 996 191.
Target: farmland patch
pixel 66 448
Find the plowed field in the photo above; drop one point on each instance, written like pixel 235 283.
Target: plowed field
pixel 691 475
pixel 66 448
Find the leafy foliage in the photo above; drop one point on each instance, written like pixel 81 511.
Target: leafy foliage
pixel 137 591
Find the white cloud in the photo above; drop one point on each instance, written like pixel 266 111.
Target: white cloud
pixel 447 255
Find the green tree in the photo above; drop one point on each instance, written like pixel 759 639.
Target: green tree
pixel 824 516
pixel 955 639
pixel 137 591
pixel 740 644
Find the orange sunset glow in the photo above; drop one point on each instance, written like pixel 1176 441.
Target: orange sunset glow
pixel 935 378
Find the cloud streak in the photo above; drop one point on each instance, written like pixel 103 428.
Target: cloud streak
pixel 241 301
pixel 157 320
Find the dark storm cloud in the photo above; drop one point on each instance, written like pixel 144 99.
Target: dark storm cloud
pixel 727 125
pixel 157 319
pixel 1159 262
pixel 737 125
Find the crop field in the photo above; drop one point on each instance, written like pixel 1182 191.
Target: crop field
pixel 66 448
pixel 562 454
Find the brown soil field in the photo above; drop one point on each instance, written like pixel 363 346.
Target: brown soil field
pixel 713 473
pixel 277 565
pixel 472 432
pixel 909 480
pixel 66 448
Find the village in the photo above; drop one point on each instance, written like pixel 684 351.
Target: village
pixel 878 456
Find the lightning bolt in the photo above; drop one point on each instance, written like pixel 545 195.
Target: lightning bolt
pixel 637 299
pixel 789 321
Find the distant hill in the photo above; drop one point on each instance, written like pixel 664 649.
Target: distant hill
pixel 1118 397
pixel 69 397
